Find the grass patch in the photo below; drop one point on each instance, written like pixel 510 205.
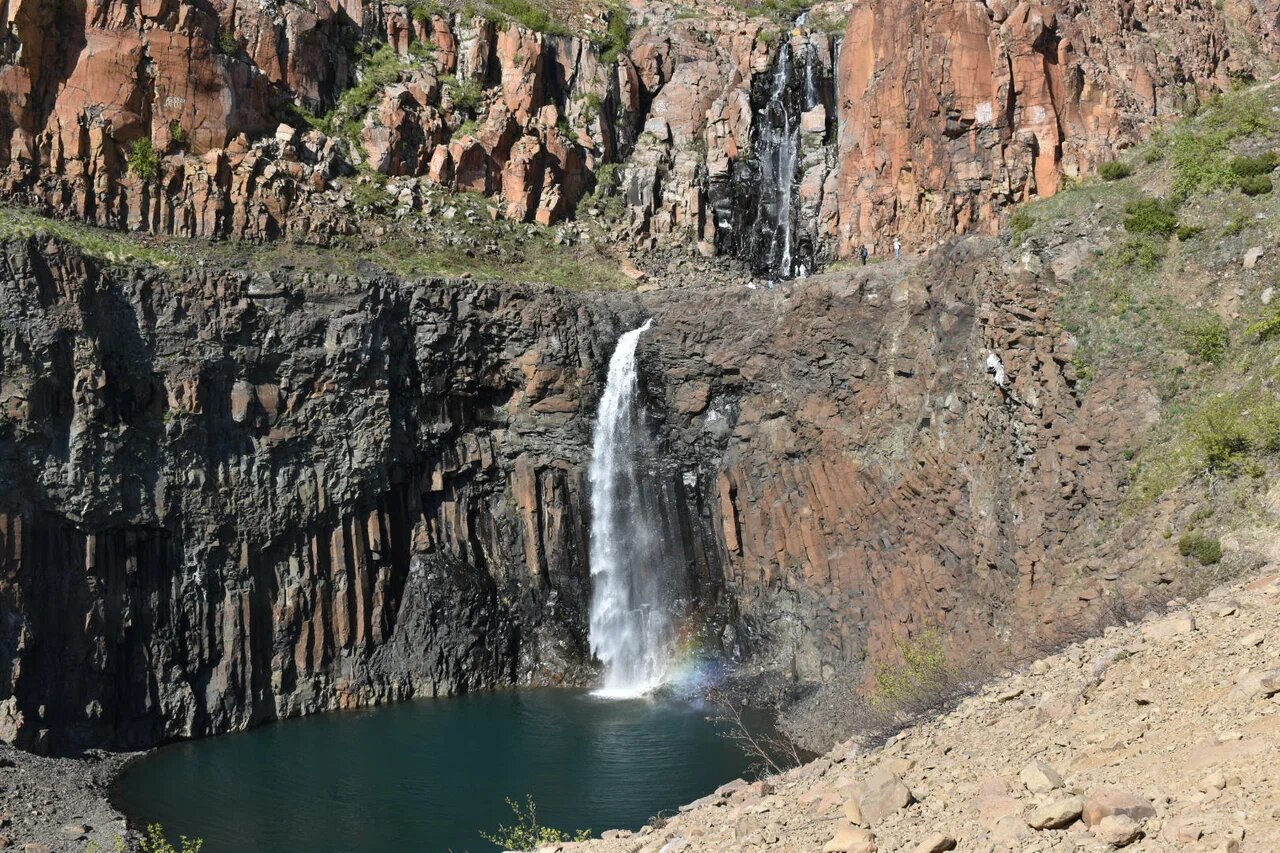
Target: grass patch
pixel 1206 338
pixel 529 16
pixel 616 38
pixel 98 243
pixel 1200 148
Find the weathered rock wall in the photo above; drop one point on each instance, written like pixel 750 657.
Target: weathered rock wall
pixel 226 499
pixel 946 112
pixel 892 450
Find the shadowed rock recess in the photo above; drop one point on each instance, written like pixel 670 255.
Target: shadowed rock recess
pixel 230 498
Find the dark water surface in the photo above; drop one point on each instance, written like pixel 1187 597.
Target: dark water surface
pixel 429 775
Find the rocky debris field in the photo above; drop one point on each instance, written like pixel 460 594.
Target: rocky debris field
pixel 1160 735
pixel 55 804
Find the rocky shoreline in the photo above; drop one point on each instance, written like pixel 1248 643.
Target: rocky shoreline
pixel 54 804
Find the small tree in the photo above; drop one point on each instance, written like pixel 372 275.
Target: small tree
pixel 143 160
pixel 526 833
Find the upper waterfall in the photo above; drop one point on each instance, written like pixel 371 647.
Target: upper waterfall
pixel 632 628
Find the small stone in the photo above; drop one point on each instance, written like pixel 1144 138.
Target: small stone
pixel 1184 829
pixel 936 843
pixel 1254 639
pixel 1251 257
pixel 1057 814
pixel 1213 782
pixel 75 830
pixel 851 839
pixel 1118 830
pixel 1040 778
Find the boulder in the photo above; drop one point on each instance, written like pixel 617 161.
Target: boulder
pixel 1057 813
pixel 1118 830
pixel 1040 778
pixel 851 839
pixel 1106 802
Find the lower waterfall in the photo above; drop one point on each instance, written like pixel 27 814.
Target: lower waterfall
pixel 632 625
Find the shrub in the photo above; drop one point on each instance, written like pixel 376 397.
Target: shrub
pixel 1150 216
pixel 1249 167
pixel 177 133
pixel 464 96
pixel 1206 339
pixel 1199 149
pixel 1266 328
pixel 228 44
pixel 1144 254
pixel 616 39
pixel 1114 171
pixel 923 669
pixel 1021 221
pixel 1255 185
pixel 422 11
pixel 527 833
pixel 1188 232
pixel 143 160
pixel 1206 550
pixel 1229 428
pixel 529 16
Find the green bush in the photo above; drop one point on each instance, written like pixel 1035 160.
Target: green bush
pixel 467 96
pixel 1229 428
pixel 177 133
pixel 529 16
pixel 1207 339
pixel 1188 232
pixel 1249 167
pixel 616 39
pixel 228 44
pixel 923 669
pixel 527 833
pixel 423 10
pixel 1114 171
pixel 143 161
pixel 1266 328
pixel 1255 185
pixel 1021 221
pixel 1203 548
pixel 1151 216
pixel 154 841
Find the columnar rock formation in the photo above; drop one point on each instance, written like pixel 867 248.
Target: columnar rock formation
pixel 947 112
pixel 229 499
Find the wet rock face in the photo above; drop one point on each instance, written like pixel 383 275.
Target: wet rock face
pixel 228 500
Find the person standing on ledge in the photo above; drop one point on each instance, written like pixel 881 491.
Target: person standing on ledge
pixel 897 247
pixel 862 253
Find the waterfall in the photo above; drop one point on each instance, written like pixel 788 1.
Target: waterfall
pixel 778 148
pixel 632 626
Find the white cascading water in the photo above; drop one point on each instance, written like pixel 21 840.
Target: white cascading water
pixel 778 147
pixel 632 631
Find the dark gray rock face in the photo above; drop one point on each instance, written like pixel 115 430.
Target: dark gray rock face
pixel 226 500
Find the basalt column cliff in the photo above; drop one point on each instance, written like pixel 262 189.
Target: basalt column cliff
pixel 227 500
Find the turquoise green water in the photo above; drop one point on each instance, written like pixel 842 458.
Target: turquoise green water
pixel 430 775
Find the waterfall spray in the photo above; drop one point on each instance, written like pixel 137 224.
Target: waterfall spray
pixel 632 628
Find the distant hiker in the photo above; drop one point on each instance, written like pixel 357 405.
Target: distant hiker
pixel 897 247
pixel 862 254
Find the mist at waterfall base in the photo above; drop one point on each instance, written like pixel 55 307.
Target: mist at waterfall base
pixel 637 567
pixel 432 774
